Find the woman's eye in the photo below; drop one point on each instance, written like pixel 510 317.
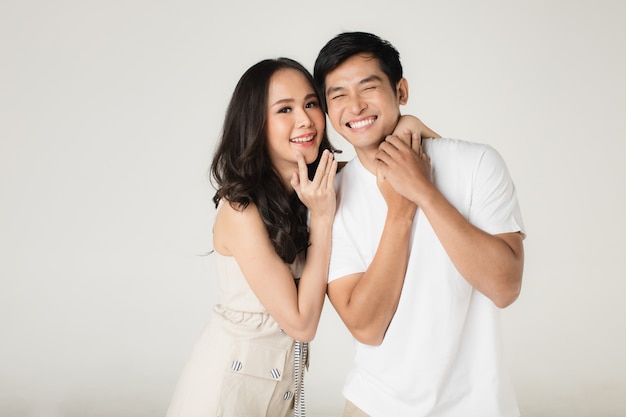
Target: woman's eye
pixel 312 105
pixel 284 110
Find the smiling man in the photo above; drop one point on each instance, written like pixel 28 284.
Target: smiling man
pixel 427 248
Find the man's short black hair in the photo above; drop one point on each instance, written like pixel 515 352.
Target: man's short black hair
pixel 348 44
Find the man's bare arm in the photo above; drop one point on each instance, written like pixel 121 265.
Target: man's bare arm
pixel 366 302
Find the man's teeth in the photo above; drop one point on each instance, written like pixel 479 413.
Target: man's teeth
pixel 361 123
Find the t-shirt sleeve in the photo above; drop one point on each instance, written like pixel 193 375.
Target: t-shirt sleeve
pixel 494 207
pixel 345 258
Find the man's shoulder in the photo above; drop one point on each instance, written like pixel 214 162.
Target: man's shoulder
pixel 452 151
pixel 454 144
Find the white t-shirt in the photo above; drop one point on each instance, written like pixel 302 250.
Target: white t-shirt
pixel 442 353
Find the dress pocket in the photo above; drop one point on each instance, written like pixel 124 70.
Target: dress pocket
pixel 254 373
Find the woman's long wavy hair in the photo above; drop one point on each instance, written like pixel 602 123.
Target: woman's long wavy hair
pixel 242 171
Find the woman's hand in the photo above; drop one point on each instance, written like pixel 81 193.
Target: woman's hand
pixel 415 125
pixel 317 194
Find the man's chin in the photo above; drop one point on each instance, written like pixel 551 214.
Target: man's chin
pixel 356 139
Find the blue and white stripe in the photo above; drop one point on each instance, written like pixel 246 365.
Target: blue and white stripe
pixel 301 360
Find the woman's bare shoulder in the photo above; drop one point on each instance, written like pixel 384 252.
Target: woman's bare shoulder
pixel 234 222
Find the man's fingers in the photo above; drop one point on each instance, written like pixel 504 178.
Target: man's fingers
pixel 380 172
pixel 382 157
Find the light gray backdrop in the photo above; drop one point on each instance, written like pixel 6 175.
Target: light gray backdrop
pixel 109 113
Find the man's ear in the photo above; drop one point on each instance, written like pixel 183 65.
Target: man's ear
pixel 402 91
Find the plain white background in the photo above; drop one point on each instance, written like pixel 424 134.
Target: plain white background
pixel 109 113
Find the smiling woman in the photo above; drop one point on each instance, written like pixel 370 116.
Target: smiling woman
pixel 272 266
pixel 295 121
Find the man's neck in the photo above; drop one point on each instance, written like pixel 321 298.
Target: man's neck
pixel 367 157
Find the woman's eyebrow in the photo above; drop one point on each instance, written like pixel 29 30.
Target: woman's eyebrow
pixel 282 101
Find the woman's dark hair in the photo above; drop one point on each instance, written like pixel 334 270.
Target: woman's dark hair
pixel 348 44
pixel 242 170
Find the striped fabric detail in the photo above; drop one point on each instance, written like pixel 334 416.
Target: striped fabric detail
pixel 301 360
pixel 236 366
pixel 287 395
pixel 275 373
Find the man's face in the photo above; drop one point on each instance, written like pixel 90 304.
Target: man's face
pixel 363 107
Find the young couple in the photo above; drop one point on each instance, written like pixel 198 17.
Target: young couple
pixel 426 248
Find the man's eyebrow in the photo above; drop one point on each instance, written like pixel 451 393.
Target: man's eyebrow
pixel 366 80
pixel 370 79
pixel 332 90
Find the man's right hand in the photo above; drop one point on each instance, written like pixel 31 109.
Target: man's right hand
pixel 396 203
pixel 405 166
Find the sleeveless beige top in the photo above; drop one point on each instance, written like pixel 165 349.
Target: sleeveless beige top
pixel 243 364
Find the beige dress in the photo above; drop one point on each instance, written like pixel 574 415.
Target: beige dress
pixel 243 365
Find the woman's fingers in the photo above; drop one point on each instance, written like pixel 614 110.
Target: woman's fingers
pixel 321 168
pixel 325 173
pixel 324 176
pixel 328 180
pixel 416 142
pixel 302 168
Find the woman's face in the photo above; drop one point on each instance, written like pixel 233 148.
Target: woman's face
pixel 295 120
